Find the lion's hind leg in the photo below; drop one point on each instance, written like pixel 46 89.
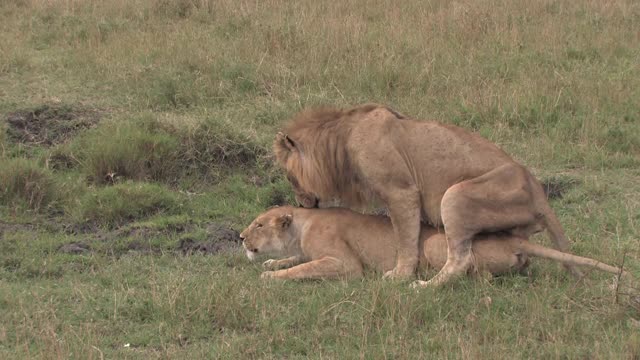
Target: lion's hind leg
pixel 498 200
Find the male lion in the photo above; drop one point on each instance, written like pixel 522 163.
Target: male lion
pixel 441 173
pixel 336 242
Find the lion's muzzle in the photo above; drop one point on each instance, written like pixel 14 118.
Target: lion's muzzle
pixel 309 202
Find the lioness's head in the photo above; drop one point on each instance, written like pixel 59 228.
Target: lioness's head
pixel 269 233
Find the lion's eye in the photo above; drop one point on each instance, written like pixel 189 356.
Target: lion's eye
pixel 258 225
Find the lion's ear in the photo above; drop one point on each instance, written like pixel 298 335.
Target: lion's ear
pixel 284 221
pixel 286 142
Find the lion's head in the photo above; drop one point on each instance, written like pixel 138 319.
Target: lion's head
pixel 289 155
pixel 269 233
pixel 312 150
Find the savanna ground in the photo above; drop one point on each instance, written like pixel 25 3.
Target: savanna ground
pixel 135 143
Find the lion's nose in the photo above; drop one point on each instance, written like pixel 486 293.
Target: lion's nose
pixel 242 237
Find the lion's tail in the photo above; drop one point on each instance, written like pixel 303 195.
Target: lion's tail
pixel 551 222
pixel 565 258
pixel 555 230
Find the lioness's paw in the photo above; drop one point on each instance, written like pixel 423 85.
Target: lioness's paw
pixel 267 275
pixel 270 264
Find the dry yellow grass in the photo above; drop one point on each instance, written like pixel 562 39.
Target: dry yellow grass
pixel 555 69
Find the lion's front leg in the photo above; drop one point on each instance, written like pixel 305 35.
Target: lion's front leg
pixel 404 211
pixel 324 268
pixel 273 264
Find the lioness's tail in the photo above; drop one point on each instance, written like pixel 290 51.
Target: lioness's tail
pixel 565 258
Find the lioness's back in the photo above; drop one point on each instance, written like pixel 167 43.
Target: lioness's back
pixel 370 237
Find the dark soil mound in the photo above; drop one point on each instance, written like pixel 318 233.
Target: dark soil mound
pixel 141 247
pixel 49 124
pixel 217 232
pixel 220 239
pixel 75 248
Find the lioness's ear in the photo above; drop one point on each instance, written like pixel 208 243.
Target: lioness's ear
pixel 284 221
pixel 285 141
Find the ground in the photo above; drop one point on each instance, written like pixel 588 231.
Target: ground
pixel 135 145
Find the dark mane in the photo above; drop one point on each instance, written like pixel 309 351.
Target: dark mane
pixel 323 165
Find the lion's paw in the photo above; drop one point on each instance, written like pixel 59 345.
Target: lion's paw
pixel 419 284
pixel 395 275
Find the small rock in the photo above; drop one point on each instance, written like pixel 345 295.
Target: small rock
pixel 74 248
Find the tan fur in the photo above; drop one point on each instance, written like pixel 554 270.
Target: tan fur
pixel 439 173
pixel 334 242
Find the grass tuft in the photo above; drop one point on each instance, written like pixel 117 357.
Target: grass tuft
pixel 145 148
pixel 24 183
pixel 115 205
pixel 134 150
pixel 623 139
pixel 172 91
pixel 216 144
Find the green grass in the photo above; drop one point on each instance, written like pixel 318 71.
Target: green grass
pixel 24 183
pixel 122 203
pixel 129 149
pixel 146 148
pixel 152 120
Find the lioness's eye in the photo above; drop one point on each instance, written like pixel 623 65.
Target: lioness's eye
pixel 258 225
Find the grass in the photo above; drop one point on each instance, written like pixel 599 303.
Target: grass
pixel 130 125
pixel 132 149
pixel 124 202
pixel 23 183
pixel 147 148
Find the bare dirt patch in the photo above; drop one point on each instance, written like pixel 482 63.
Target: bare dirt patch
pixel 144 232
pixel 141 248
pixel 48 125
pixel 75 248
pixel 219 239
pixel 11 228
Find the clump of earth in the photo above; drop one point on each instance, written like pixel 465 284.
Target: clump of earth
pixel 219 239
pixel 48 125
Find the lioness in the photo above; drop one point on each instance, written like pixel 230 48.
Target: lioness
pixel 441 173
pixel 335 242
